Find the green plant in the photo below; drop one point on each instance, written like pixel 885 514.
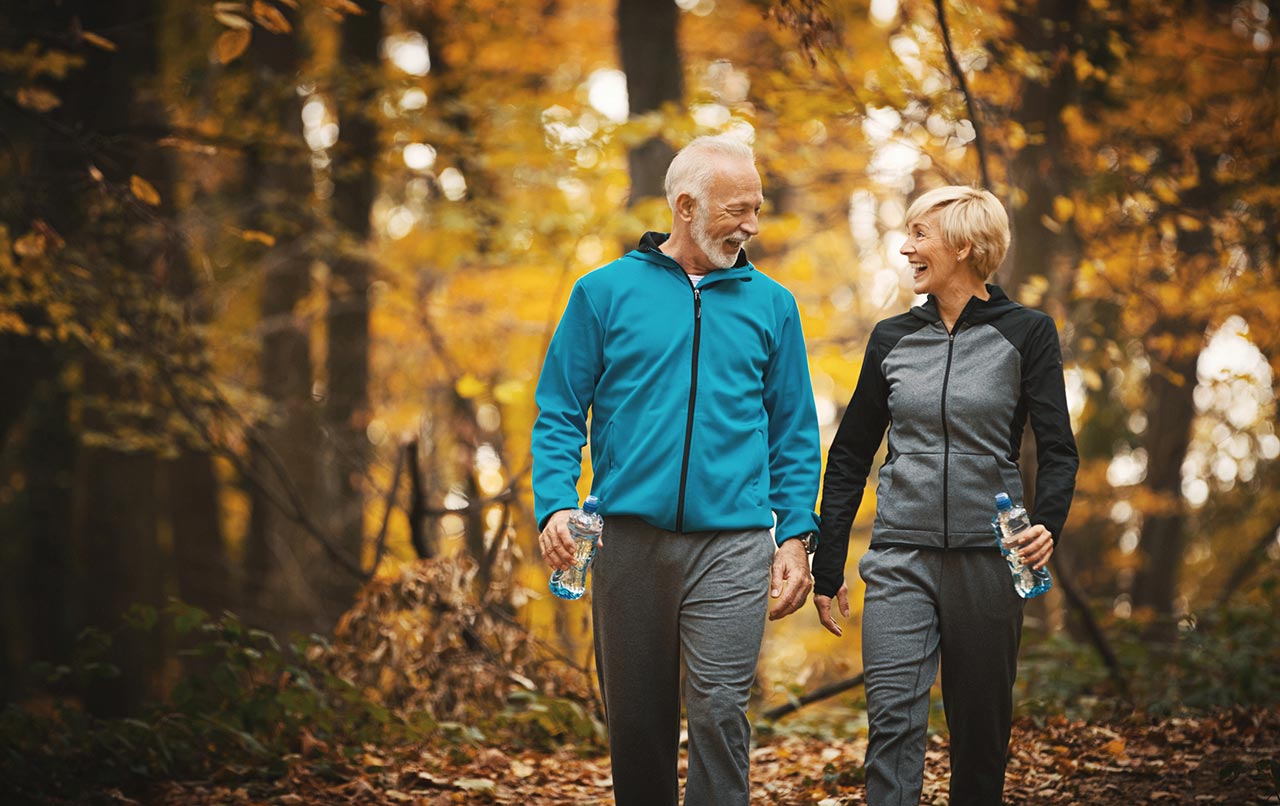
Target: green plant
pixel 245 704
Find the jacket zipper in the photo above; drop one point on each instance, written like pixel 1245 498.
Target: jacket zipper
pixel 693 394
pixel 946 444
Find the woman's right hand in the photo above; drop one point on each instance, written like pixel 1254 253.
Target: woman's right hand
pixel 825 617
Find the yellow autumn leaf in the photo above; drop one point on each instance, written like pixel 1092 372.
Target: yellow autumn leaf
pixel 144 191
pixel 1116 747
pixel 233 21
pixel 10 322
pixel 342 6
pixel 33 244
pixel 469 386
pixel 230 45
pixel 1165 191
pixel 258 236
pixel 1063 208
pixel 1017 136
pixel 37 98
pixel 269 17
pixel 100 42
pixel 1139 163
pixel 1050 224
pixel 1189 224
pixel 509 392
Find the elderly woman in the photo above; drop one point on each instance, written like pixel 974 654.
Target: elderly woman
pixel 954 380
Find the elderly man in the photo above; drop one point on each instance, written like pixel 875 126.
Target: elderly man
pixel 703 436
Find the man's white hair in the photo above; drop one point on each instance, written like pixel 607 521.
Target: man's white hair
pixel 691 172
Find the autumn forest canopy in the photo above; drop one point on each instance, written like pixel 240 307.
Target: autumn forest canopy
pixel 276 282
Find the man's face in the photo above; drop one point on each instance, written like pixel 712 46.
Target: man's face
pixel 728 217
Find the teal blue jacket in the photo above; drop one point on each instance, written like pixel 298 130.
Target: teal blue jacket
pixel 702 413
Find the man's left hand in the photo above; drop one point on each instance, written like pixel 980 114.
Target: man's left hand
pixel 791 581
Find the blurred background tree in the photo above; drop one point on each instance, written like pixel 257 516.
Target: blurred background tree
pixel 278 277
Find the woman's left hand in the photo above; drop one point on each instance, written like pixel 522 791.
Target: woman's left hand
pixel 1035 546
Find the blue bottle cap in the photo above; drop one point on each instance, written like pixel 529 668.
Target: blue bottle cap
pixel 1003 502
pixel 591 504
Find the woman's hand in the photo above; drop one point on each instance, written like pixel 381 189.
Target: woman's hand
pixel 1034 546
pixel 825 617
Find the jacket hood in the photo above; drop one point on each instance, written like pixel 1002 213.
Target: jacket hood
pixel 976 311
pixel 649 249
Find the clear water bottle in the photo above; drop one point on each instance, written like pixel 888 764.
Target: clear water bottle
pixel 585 525
pixel 1011 519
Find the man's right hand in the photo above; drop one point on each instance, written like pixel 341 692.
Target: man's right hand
pixel 825 616
pixel 555 542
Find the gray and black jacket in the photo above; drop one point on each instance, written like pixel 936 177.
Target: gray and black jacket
pixel 955 405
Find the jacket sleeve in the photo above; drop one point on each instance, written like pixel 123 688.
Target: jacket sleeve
pixel 1056 458
pixel 565 391
pixel 795 455
pixel 848 464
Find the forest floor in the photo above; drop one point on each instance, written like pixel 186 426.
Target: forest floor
pixel 1232 757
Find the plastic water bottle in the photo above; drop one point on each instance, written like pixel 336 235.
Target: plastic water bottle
pixel 1011 519
pixel 585 525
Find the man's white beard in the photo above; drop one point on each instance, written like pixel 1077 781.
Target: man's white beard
pixel 713 249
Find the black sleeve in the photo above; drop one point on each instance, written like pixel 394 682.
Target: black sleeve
pixel 848 463
pixel 1056 457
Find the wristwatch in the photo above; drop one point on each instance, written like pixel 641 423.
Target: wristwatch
pixel 809 540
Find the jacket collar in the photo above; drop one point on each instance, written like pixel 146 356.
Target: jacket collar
pixel 976 311
pixel 649 252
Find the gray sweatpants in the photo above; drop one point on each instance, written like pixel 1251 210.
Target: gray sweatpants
pixel 921 605
pixel 658 596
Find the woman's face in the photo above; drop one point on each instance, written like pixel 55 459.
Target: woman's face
pixel 935 266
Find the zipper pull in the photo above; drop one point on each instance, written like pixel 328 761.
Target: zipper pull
pixel 697 304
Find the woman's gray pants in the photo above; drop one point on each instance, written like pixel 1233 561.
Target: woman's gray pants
pixel 658 596
pixel 922 605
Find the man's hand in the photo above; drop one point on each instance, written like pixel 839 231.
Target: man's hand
pixel 790 579
pixel 1034 546
pixel 823 603
pixel 555 542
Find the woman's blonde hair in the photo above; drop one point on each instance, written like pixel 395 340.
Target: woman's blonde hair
pixel 968 215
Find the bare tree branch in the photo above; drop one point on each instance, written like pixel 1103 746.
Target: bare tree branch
pixel 822 693
pixel 979 141
pixel 1077 601
pixel 381 543
pixel 417 504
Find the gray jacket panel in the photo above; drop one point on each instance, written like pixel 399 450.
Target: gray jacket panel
pixel 952 400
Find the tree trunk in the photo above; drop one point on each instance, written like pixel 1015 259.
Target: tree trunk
pixel 1174 346
pixel 284 565
pixel 347 412
pixel 1041 170
pixel 1170 413
pixel 46 584
pixel 201 565
pixel 116 511
pixel 650 54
